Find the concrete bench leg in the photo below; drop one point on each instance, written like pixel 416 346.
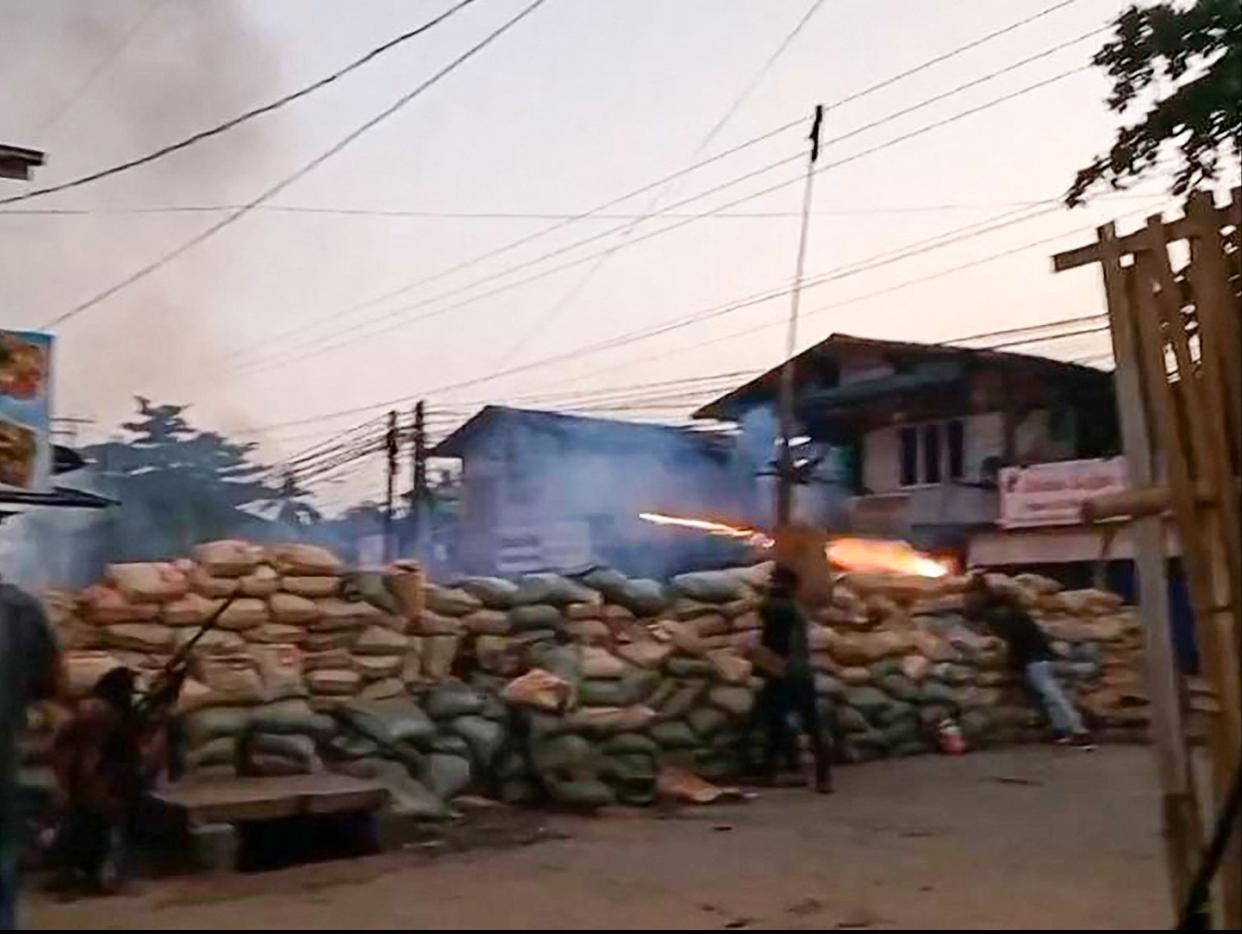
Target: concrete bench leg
pixel 214 847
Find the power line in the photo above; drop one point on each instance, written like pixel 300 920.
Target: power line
pixel 716 311
pixel 308 167
pixel 241 118
pixel 399 312
pixel 658 183
pixel 69 102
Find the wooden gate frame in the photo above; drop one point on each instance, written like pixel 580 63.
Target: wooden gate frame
pixel 1177 341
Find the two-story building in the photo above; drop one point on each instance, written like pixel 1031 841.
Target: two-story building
pixel 917 434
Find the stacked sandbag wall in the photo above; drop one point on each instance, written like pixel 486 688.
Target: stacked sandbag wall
pixel 575 690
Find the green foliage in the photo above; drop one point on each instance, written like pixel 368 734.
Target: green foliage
pixel 1184 65
pixel 178 486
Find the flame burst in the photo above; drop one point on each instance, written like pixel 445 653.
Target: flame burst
pixel 866 555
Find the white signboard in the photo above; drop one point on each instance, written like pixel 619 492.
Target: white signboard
pixel 1053 494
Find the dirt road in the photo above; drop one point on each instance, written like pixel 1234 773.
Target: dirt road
pixel 1009 839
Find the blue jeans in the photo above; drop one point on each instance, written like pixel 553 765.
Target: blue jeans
pixel 1060 709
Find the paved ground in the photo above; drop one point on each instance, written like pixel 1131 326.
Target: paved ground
pixel 1009 839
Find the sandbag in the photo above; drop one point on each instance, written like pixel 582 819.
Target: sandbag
pixel 389 722
pixel 202 726
pixel 430 623
pixel 227 557
pixel 383 689
pixel 487 622
pixel 192 609
pixel 302 560
pixel 689 667
pixel 439 654
pixel 373 667
pixel 213 588
pixel 294 746
pixel 710 586
pixel 631 743
pixel 734 700
pixel 263 581
pixel 350 745
pixel 311 587
pixel 642 597
pixel 291 716
pixel 243 613
pixel 276 633
pixel 452 700
pixel 104 605
pixel 564 755
pixel 583 611
pixel 600 663
pixel 280 670
pixel 730 667
pixel 376 640
pixel 140 637
pixel 336 614
pixel 900 687
pixel 445 776
pixel 320 642
pixel 220 751
pixel 213 640
pixel 937 692
pixel 332 658
pixel 535 616
pixel 540 689
pixel 673 734
pixel 334 682
pixel 292 608
pixel 494 592
pixel 553 589
pixel 484 736
pixel 448 601
pixel 589 631
pixel 851 720
pixel 605 720
pixel 868 700
pixel 646 653
pixel 828 685
pixel 148 582
pixel 706 721
pixel 84 669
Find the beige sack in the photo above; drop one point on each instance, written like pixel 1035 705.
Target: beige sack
pixel 291 608
pixel 261 582
pixel 148 582
pixel 141 637
pixel 311 587
pixel 191 610
pixel 104 605
pixel 300 559
pixel 203 582
pixel 228 557
pixel 539 689
pixel 243 613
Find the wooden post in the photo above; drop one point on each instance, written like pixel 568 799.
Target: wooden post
pixel 1180 813
pixel 391 449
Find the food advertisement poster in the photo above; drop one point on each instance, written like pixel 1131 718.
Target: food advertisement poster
pixel 25 410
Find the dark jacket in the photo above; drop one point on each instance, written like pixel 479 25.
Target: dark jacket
pixel 1027 642
pixel 784 634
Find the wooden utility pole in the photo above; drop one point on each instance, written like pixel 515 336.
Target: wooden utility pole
pixel 391 447
pixel 785 467
pixel 418 475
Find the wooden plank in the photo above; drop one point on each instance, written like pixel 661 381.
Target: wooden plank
pixel 239 800
pixel 1207 426
pixel 1216 309
pixel 1212 618
pixel 1178 229
pixel 1183 834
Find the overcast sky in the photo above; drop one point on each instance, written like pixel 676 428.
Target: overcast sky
pixel 580 102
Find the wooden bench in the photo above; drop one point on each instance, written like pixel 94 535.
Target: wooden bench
pixel 210 810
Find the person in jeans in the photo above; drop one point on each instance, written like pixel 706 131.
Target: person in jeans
pixel 1031 653
pixel 791 689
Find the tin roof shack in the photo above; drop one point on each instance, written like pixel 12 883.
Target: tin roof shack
pixel 919 432
pixel 543 490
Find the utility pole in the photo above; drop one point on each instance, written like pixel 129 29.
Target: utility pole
pixel 418 480
pixel 785 464
pixel 391 447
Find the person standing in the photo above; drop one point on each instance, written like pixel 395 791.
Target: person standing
pixel 788 686
pixel 29 672
pixel 1031 653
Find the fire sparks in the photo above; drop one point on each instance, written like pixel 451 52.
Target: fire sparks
pixel 739 532
pixel 885 557
pixel 865 555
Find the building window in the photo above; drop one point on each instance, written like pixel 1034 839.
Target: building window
pixel 909 456
pixel 957 449
pixel 933 451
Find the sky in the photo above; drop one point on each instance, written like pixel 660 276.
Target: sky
pixel 281 317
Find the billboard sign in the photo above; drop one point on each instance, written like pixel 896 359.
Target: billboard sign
pixel 1053 494
pixel 25 411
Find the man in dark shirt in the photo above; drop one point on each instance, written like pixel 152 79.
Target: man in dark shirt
pixel 788 685
pixel 1031 653
pixel 29 671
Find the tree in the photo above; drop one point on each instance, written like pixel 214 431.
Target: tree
pixel 178 486
pixel 1184 64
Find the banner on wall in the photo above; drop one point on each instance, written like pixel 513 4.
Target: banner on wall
pixel 1053 494
pixel 25 411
